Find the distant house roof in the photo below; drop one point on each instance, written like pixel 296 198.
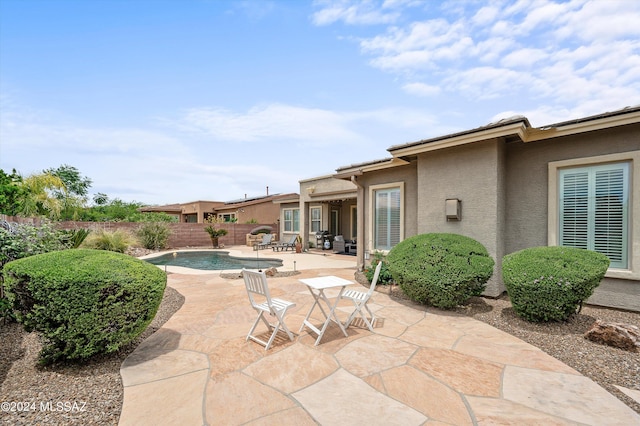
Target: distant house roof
pixel 243 202
pixel 178 207
pixel 175 208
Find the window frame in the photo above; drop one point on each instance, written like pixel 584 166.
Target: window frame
pixel 632 271
pixel 373 191
pixel 317 220
pixel 294 221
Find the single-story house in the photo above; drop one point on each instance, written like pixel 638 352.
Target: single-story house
pixel 261 209
pixel 508 185
pixel 191 212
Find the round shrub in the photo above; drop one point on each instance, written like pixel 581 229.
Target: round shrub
pixel 83 302
pixel 442 270
pixel 550 283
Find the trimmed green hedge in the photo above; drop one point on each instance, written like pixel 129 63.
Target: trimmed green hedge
pixel 551 283
pixel 443 270
pixel 83 302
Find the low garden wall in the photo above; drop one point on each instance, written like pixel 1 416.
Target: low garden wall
pixel 182 234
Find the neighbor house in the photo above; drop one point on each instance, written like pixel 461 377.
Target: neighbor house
pixel 191 212
pixel 508 185
pixel 261 209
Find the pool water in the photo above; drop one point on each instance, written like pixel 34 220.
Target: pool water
pixel 212 260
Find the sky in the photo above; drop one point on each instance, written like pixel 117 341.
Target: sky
pixel 172 101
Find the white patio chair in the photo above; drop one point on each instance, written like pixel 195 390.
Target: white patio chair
pixel 360 299
pixel 261 301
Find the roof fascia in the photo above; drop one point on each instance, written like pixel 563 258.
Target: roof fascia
pixel 537 134
pixel 359 170
pixel 518 129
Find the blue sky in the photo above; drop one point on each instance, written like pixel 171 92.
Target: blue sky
pixel 165 101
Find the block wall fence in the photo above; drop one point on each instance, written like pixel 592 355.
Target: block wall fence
pixel 182 234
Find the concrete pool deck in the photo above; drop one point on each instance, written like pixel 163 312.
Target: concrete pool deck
pixel 422 366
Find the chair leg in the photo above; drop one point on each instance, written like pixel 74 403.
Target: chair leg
pixel 358 310
pixel 255 324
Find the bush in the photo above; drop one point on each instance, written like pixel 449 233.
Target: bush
pixel 154 235
pixel 385 275
pixel 551 283
pixel 83 302
pixel 22 240
pixel 442 270
pixel 118 241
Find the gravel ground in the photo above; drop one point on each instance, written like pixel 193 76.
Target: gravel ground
pixel 92 394
pixel 66 394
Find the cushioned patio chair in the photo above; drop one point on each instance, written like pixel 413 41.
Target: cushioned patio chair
pixel 338 244
pixel 360 300
pixel 263 303
pixel 266 242
pixel 286 245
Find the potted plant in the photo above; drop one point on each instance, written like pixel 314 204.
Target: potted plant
pixel 215 231
pixel 298 244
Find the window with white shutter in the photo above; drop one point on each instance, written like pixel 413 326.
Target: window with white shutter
pixel 387 218
pixel 594 210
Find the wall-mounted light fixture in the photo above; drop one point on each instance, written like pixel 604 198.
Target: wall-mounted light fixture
pixel 453 209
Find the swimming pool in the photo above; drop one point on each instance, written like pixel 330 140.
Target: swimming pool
pixel 212 260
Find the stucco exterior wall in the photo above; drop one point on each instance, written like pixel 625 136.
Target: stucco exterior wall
pixel 527 189
pixel 473 174
pixel 406 174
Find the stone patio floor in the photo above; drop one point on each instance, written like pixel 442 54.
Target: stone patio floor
pixel 422 366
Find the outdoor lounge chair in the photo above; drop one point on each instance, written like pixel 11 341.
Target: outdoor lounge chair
pixel 286 245
pixel 360 300
pixel 266 242
pixel 338 244
pixel 261 301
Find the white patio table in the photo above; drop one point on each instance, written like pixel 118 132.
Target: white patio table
pixel 317 286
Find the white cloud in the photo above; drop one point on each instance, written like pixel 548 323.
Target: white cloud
pixel 523 58
pixel 580 51
pixel 278 122
pixel 421 89
pixel 485 15
pixel 362 12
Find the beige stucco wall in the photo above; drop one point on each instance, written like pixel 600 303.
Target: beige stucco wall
pixel 406 174
pixel 527 210
pixel 473 174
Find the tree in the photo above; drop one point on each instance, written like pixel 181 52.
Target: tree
pixel 74 197
pixel 38 198
pixel 75 184
pixel 11 192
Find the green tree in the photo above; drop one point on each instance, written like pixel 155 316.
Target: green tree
pixel 11 192
pixel 74 198
pixel 38 198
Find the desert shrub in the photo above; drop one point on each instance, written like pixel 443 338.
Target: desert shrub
pixel 118 241
pixel 75 237
pixel 22 240
pixel 83 302
pixel 551 283
pixel 442 270
pixel 154 235
pixel 385 275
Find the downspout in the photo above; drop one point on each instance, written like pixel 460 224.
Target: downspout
pixel 360 228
